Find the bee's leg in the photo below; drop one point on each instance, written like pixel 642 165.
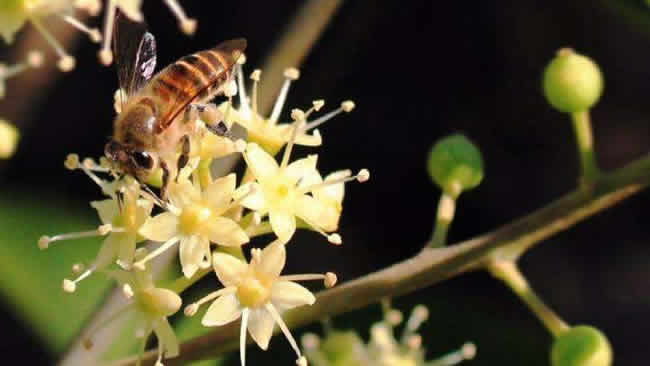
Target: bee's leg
pixel 165 180
pixel 185 155
pixel 213 119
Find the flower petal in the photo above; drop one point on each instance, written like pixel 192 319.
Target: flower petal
pixel 260 162
pixel 253 201
pixel 224 231
pixel 188 248
pixel 260 327
pixel 219 193
pixel 273 258
pixel 222 311
pixel 107 252
pixel 143 211
pixel 283 224
pixel 126 247
pixel 302 169
pixel 317 213
pixel 287 295
pixel 228 268
pixel 106 209
pixel 160 228
pixel 166 337
pixel 334 192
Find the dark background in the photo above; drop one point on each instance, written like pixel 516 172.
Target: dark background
pixel 420 70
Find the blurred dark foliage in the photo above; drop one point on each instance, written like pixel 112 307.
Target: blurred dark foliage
pixel 419 70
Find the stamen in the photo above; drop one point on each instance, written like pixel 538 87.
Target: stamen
pixel 93 33
pixel 66 62
pixel 188 25
pixel 394 317
pixel 290 75
pixel 109 319
pixel 361 177
pixel 299 118
pixel 278 319
pixel 105 53
pixel 242 336
pixel 70 286
pixel 140 265
pixel 77 268
pixel 301 361
pixel 252 188
pixel 467 352
pixel 419 315
pixel 243 99
pixel 44 241
pixel 191 309
pixel 127 290
pixel 255 76
pixel 414 342
pixel 346 106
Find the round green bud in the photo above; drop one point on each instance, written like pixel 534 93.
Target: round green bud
pixel 572 82
pixel 581 346
pixel 343 348
pixel 455 164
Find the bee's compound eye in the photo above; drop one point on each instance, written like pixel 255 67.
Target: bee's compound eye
pixel 142 159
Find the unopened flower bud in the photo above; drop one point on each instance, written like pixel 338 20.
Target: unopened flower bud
pixel 455 164
pixel 581 346
pixel 572 82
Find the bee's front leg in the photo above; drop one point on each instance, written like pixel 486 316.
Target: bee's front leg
pixel 165 180
pixel 185 155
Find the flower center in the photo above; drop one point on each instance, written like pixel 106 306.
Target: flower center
pixel 127 219
pixel 255 290
pixel 279 192
pixel 193 217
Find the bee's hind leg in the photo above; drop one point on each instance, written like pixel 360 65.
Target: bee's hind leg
pixel 210 115
pixel 185 155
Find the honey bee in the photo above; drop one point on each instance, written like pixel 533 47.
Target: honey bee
pixel 158 116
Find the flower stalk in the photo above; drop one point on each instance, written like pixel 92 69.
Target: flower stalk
pixel 508 272
pixel 584 138
pixel 446 212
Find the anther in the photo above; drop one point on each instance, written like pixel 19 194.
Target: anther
pixel 414 342
pixel 242 59
pixel 468 351
pixel 44 242
pixel 106 57
pixel 88 343
pixel 292 73
pixel 256 74
pixel 363 175
pixel 69 286
pixel 301 361
pixel 347 106
pixel 335 239
pixel 330 279
pixel 188 26
pixel 104 229
pixel 310 341
pixel 191 309
pixel 318 104
pixel 394 317
pixel 127 290
pixel 297 114
pixel 35 59
pixel 77 268
pixel 418 316
pixel 71 161
pixel 66 63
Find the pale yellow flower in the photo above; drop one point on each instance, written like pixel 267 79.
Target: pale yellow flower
pixel 287 191
pixel 15 13
pixel 121 217
pixel 266 131
pixel 257 293
pixel 152 306
pixel 195 218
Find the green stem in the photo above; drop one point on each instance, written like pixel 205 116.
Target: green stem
pixel 444 217
pixel 585 140
pixel 508 272
pixel 431 266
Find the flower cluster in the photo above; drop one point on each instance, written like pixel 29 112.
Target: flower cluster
pixel 211 218
pixel 14 14
pixel 341 347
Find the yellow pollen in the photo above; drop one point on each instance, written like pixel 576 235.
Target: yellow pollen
pixel 193 217
pixel 255 290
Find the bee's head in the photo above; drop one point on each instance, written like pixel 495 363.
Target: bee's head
pixel 137 163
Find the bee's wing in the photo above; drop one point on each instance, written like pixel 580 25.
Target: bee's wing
pixel 196 77
pixel 135 53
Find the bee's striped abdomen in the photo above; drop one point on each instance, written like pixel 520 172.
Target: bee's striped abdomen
pixel 195 78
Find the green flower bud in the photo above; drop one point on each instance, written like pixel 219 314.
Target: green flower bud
pixel 9 137
pixel 581 346
pixel 455 164
pixel 343 348
pixel 572 82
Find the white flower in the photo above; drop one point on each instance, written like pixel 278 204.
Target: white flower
pixel 257 293
pixel 284 193
pixel 195 218
pixel 267 132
